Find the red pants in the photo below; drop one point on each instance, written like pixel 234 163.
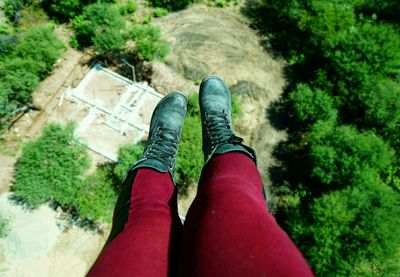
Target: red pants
pixel 228 230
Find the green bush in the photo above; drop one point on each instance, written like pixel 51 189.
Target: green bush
pixel 341 156
pixel 7 45
pixel 148 42
pixel 129 8
pixel 41 45
pixel 109 40
pixel 387 10
pixel 127 155
pixel 12 8
pixel 381 103
pixel 64 10
pixel 324 19
pixel 102 25
pixel 97 195
pixel 20 79
pixel 23 66
pixel 357 53
pixel 51 168
pixel 159 12
pixel 312 105
pixel 348 227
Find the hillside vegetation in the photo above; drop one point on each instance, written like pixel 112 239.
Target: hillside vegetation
pixel 338 186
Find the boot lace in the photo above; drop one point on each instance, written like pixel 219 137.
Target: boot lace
pixel 163 147
pixel 219 130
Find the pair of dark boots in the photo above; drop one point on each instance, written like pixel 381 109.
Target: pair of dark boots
pixel 167 120
pixel 165 129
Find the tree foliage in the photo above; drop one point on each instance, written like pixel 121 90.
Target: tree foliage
pixel 51 168
pixel 102 25
pixel 312 105
pixel 348 227
pixel 64 10
pixel 342 156
pixel 12 9
pixel 24 65
pixel 128 154
pixel 97 195
pixel 148 42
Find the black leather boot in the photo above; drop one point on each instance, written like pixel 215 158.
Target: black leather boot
pixel 165 129
pixel 159 152
pixel 217 131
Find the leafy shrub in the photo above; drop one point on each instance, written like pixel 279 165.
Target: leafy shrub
pixel 23 66
pixel 159 12
pixel 359 52
pixel 63 10
pixel 102 25
pixel 127 155
pixel 108 41
pixel 341 155
pixel 11 9
pixel 351 226
pixel 384 9
pixel 51 168
pixel 41 45
pixel 381 100
pixel 129 8
pixel 148 42
pixel 324 19
pixel 97 195
pixel 312 105
pixel 7 45
pixel 20 79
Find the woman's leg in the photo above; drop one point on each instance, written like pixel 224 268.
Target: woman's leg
pixel 229 231
pixel 145 246
pixel 146 225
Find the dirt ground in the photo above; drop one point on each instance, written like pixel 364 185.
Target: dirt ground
pixel 203 41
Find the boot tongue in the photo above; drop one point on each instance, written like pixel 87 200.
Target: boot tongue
pixel 169 136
